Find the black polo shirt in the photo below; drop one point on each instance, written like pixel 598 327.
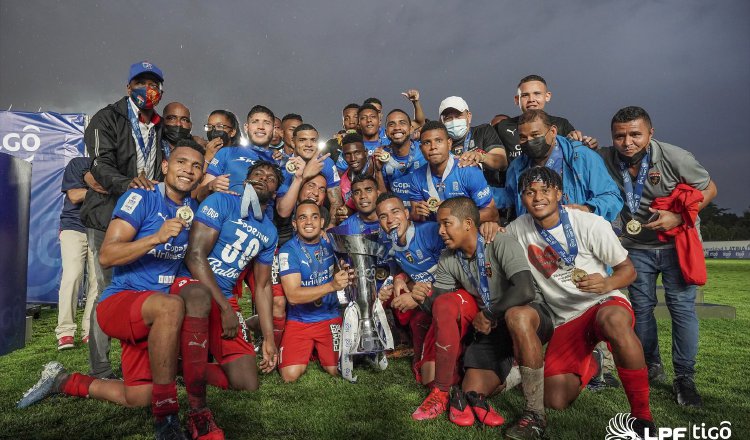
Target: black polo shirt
pixel 483 137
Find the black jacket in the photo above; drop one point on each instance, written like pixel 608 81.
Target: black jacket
pixel 110 144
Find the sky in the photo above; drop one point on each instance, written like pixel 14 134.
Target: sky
pixel 685 61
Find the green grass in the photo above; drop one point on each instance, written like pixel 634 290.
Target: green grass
pixel 379 406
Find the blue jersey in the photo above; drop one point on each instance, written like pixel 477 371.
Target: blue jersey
pixel 314 263
pixel 400 166
pixel 419 257
pixel 233 160
pixel 240 239
pixel 355 225
pixel 146 211
pixel 467 181
pixel 329 172
pixel 370 146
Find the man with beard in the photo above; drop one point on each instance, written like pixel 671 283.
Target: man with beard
pixel 229 233
pixel 403 155
pixel 146 241
pixel 587 185
pixel 306 267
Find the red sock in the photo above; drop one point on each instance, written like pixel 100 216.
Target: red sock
pixel 419 324
pixel 194 349
pixel 635 384
pixel 447 342
pixel 278 330
pixel 77 385
pixel 164 400
pixel 216 376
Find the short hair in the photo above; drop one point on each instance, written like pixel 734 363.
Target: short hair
pixel 433 125
pixel 533 115
pixel 352 105
pixel 544 175
pixel 260 109
pixel 630 113
pixel 265 163
pixel 387 196
pixel 462 207
pixel 364 107
pixel 530 78
pixel 190 143
pixel 232 120
pixel 292 116
pixel 351 138
pixel 303 127
pixel 398 110
pixel 373 101
pixel 365 178
pixel 303 203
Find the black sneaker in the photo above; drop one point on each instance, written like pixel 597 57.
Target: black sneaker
pixel 602 379
pixel 656 374
pixel 169 429
pixel 530 426
pixel 685 392
pixel 639 427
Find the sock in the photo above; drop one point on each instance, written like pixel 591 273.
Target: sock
pixel 278 330
pixel 635 384
pixel 164 400
pixel 194 349
pixel 76 385
pixel 532 381
pixel 419 324
pixel 447 342
pixel 216 376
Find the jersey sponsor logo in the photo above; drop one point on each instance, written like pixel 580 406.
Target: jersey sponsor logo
pixel 400 185
pixel 166 279
pixel 284 261
pixel 244 159
pixel 336 336
pixel 252 230
pixel 218 269
pixel 131 203
pixel 210 212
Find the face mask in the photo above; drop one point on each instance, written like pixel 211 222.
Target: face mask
pixel 146 98
pixel 536 148
pixel 457 128
pixel 213 134
pixel 634 159
pixel 173 133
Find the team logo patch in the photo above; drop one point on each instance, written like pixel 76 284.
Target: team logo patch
pixel 654 177
pixel 284 262
pixel 409 257
pixel 131 203
pixel 336 336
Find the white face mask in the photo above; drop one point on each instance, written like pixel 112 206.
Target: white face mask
pixel 457 128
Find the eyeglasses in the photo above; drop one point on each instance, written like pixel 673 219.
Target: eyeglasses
pixel 220 127
pixel 174 118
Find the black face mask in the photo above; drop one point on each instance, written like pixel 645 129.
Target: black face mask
pixel 536 148
pixel 634 159
pixel 213 134
pixel 173 133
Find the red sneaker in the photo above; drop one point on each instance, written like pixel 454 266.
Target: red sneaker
pixel 201 425
pixel 481 407
pixel 460 412
pixel 434 404
pixel 85 339
pixel 65 343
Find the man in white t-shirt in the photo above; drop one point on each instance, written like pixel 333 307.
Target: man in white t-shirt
pixel 569 251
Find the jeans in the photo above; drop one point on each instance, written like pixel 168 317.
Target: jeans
pixel 99 342
pixel 680 299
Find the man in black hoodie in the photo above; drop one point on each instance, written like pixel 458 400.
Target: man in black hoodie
pixel 124 142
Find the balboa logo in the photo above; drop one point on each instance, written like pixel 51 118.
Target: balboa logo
pixel 29 141
pixel 621 428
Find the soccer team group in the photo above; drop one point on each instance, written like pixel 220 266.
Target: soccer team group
pixel 500 239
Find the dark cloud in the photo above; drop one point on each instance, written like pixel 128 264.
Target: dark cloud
pixel 685 61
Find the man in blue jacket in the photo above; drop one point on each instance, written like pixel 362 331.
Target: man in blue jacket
pixel 586 182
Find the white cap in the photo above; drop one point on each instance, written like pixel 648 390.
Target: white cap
pixel 456 102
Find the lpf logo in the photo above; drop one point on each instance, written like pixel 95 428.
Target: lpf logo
pixel 621 428
pixel 29 141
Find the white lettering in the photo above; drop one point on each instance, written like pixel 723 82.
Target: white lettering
pixel 30 141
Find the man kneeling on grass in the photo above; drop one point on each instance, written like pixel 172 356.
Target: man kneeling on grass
pixel 569 251
pixel 146 242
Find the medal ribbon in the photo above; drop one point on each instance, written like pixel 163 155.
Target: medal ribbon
pixel 136 127
pixel 393 235
pixel 483 285
pixel 250 197
pixel 633 195
pixel 439 194
pixel 555 157
pixel 568 257
pixel 393 165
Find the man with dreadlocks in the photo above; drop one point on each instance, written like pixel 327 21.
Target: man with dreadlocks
pixel 569 251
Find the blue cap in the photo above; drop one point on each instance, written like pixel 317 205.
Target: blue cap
pixel 144 67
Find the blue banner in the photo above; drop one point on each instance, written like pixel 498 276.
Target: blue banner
pixel 48 141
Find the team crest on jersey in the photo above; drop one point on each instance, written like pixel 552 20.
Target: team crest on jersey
pixel 131 203
pixel 654 177
pixel 409 257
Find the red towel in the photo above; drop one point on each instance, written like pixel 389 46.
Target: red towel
pixel 684 200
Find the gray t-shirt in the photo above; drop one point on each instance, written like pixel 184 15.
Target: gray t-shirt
pixel 670 165
pixel 506 257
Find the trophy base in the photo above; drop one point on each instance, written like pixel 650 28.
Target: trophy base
pixel 369 341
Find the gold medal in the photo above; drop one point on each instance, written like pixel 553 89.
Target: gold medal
pixel 291 167
pixel 633 227
pixel 433 203
pixel 381 273
pixel 384 156
pixel 318 302
pixel 578 275
pixel 185 213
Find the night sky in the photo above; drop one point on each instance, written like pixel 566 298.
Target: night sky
pixel 686 62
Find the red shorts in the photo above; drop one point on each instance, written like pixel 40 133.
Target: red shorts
pixel 569 350
pixel 468 310
pixel 301 338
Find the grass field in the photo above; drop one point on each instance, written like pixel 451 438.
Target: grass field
pixel 379 406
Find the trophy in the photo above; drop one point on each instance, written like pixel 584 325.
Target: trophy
pixel 365 329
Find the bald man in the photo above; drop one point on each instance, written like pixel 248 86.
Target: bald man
pixel 177 125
